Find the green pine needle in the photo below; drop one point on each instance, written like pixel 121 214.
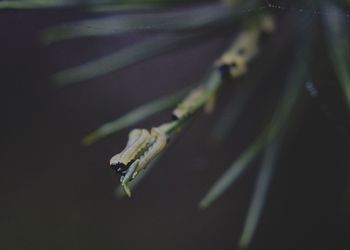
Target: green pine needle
pixel 260 193
pixel 338 43
pixel 133 117
pixel 118 60
pixel 279 120
pixel 231 114
pixel 117 24
pixel 120 191
pixel 232 174
pixel 99 5
pixel 26 4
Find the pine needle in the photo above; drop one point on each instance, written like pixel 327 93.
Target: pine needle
pixel 118 60
pixel 231 114
pixel 260 193
pixel 190 20
pixel 120 191
pixel 133 117
pixel 28 4
pixel 279 120
pixel 98 5
pixel 232 174
pixel 338 44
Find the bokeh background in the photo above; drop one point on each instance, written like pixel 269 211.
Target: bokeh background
pixel 57 194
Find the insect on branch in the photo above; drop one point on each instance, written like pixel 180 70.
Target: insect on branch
pixel 144 145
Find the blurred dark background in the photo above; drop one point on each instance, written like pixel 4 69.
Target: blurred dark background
pixel 57 194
